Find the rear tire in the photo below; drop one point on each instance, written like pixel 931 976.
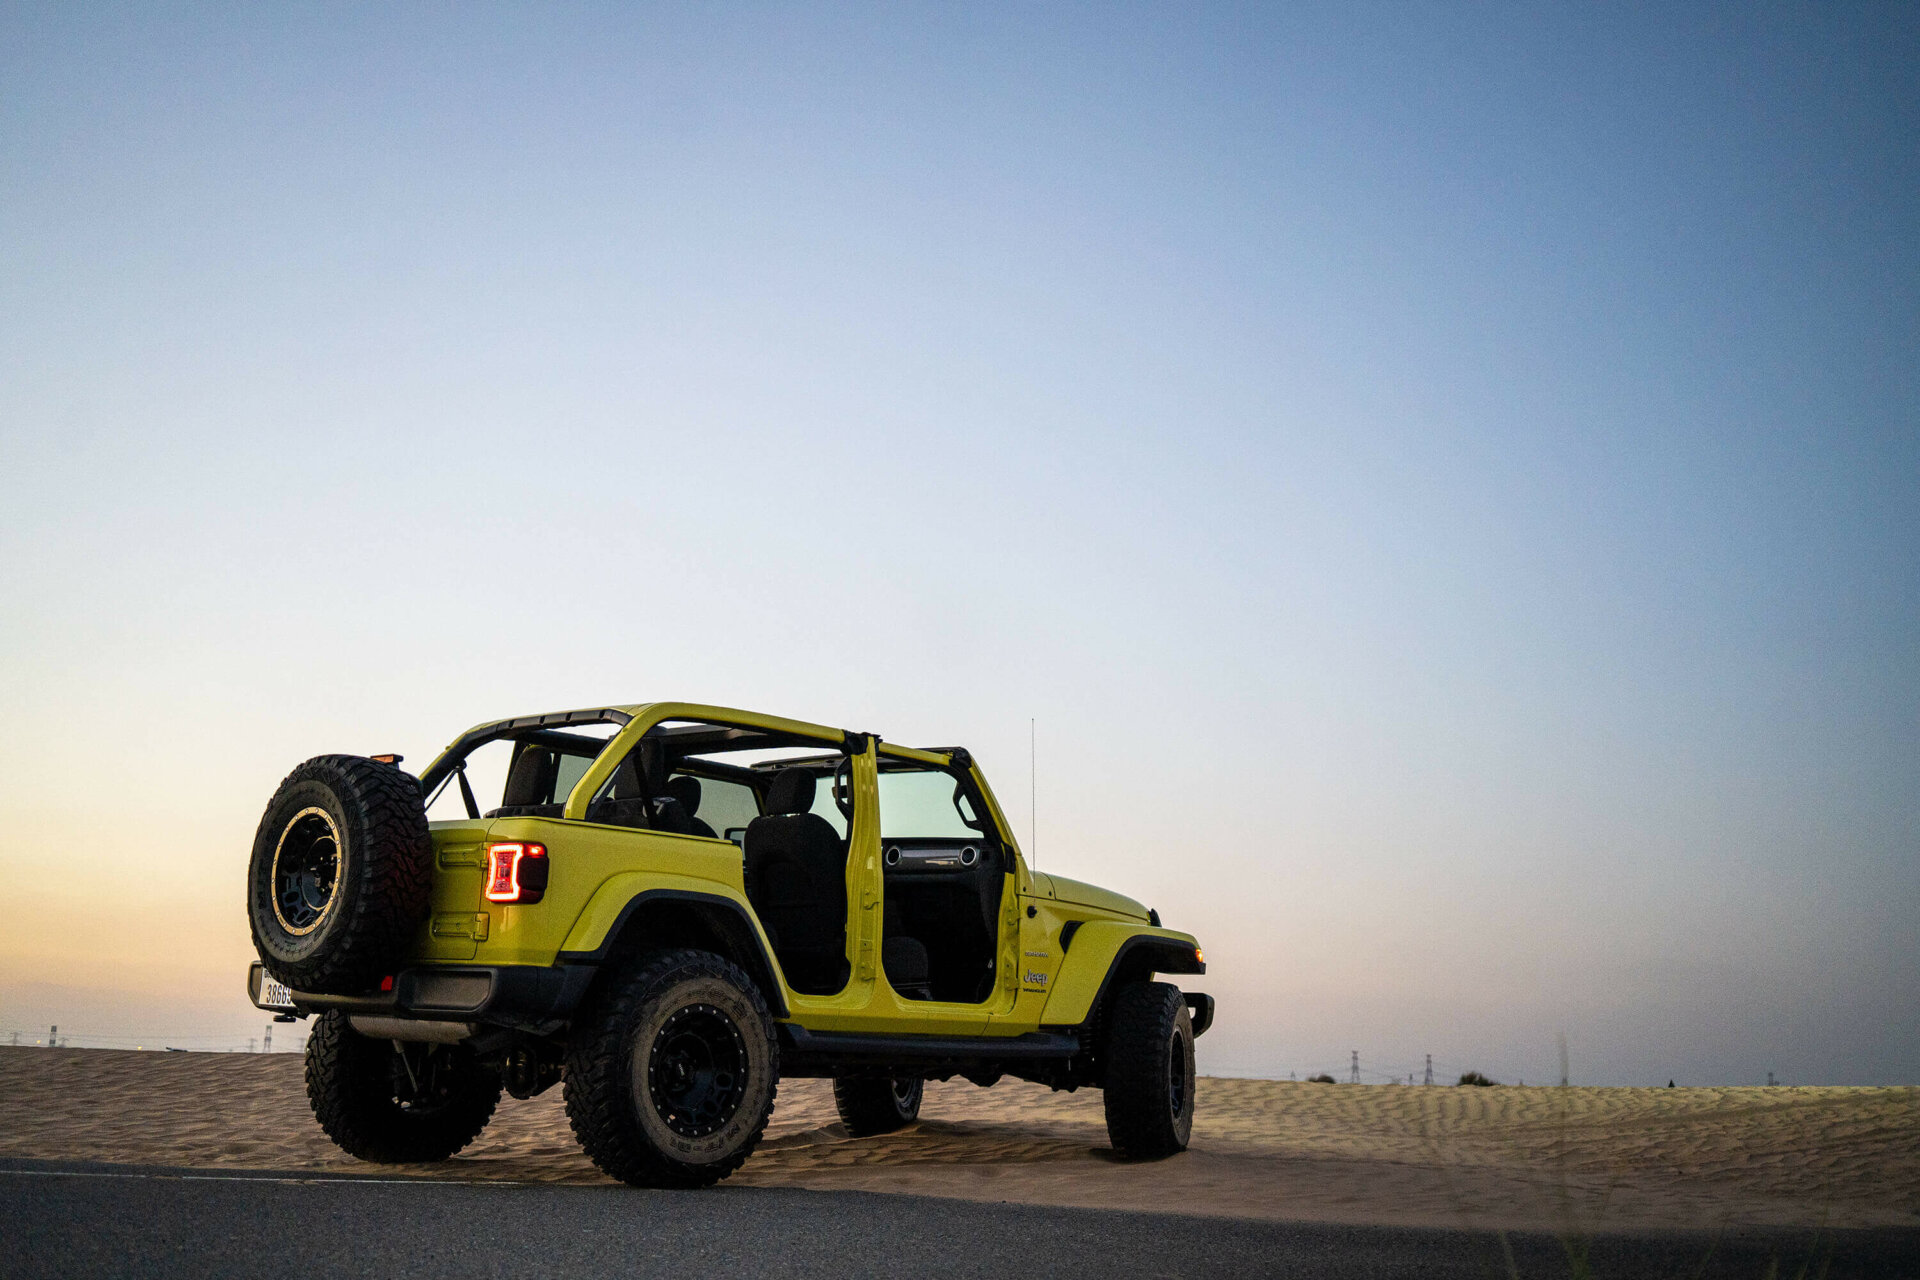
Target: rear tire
pixel 371 1105
pixel 1149 1092
pixel 875 1104
pixel 341 870
pixel 671 1076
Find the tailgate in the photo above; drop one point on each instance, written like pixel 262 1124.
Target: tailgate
pixel 457 920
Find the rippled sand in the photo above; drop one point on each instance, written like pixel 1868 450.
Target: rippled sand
pixel 1575 1159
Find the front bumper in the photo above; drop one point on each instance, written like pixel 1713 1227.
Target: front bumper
pixel 525 997
pixel 1199 1011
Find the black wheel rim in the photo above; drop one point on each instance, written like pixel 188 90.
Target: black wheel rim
pixel 906 1095
pixel 306 871
pixel 1177 1075
pixel 697 1070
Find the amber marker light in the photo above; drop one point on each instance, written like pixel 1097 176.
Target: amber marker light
pixel 516 872
pixel 1199 955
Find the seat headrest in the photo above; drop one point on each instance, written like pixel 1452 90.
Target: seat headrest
pixel 686 789
pixel 530 781
pixel 626 780
pixel 791 792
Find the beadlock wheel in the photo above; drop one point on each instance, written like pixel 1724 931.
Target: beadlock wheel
pixel 340 874
pixel 306 870
pixel 696 1071
pixel 672 1070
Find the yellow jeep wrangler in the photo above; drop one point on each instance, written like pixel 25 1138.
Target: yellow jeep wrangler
pixel 669 907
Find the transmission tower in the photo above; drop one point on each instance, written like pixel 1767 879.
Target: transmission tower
pixel 267 1045
pixel 1429 1079
pixel 1355 1079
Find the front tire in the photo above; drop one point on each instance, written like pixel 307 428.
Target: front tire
pixel 1149 1091
pixel 671 1077
pixel 393 1105
pixel 870 1105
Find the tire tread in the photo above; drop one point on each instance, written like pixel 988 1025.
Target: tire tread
pixel 359 1116
pixel 394 862
pixel 867 1107
pixel 595 1092
pixel 1139 1122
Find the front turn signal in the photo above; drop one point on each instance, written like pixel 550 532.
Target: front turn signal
pixel 516 872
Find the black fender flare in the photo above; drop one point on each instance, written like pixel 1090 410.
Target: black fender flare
pixel 725 917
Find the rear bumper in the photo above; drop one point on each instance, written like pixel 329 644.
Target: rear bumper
pixel 525 997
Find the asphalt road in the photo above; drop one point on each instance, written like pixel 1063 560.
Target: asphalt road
pixel 60 1219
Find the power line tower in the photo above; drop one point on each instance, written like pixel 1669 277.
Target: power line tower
pixel 1429 1079
pixel 53 1036
pixel 267 1045
pixel 1355 1078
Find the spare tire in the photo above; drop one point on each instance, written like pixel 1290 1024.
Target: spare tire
pixel 341 871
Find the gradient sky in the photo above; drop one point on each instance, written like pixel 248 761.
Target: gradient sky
pixel 1444 481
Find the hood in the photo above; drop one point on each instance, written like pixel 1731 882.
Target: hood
pixel 1082 894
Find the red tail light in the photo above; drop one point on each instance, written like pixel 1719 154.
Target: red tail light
pixel 516 872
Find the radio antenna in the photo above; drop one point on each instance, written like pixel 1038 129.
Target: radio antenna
pixel 1033 791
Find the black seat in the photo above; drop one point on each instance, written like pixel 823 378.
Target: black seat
pixel 906 962
pixel 530 783
pixel 903 956
pixel 684 790
pixel 796 879
pixel 625 804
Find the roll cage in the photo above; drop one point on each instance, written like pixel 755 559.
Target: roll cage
pixel 710 728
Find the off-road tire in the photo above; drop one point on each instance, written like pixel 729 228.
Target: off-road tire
pixel 874 1104
pixel 382 869
pixel 362 1096
pixel 625 1062
pixel 1149 1089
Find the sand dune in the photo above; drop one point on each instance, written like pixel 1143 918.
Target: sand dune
pixel 1576 1159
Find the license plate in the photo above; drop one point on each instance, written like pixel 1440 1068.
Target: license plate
pixel 274 995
